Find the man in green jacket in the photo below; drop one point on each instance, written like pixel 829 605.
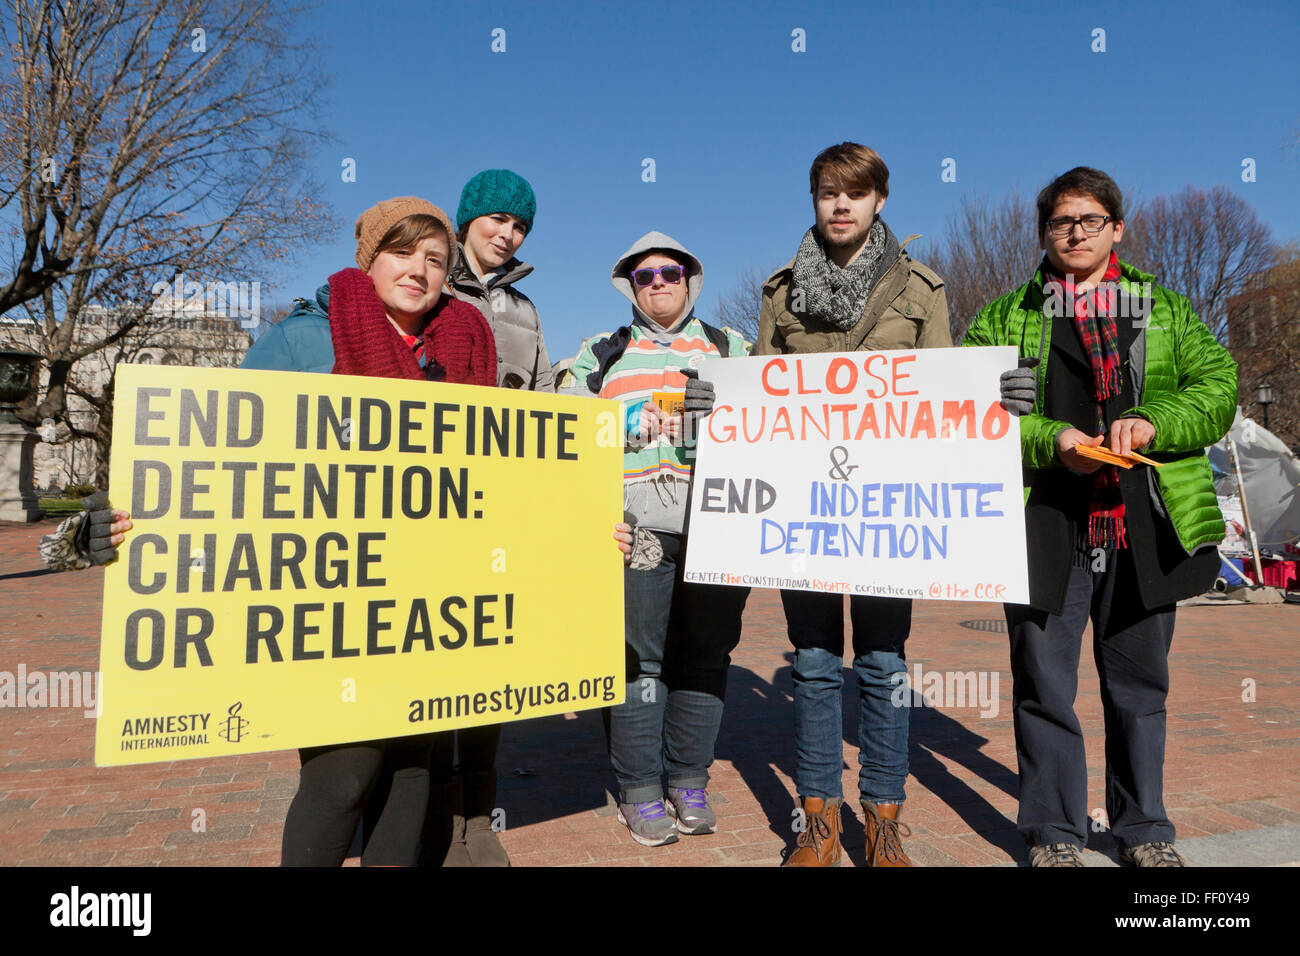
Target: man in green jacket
pixel 1107 358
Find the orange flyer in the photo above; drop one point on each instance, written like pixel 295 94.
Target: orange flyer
pixel 671 402
pixel 1104 454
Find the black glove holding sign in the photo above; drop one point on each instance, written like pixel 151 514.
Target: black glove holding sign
pixel 699 401
pixel 1019 387
pixel 85 539
pixel 93 537
pixel 699 394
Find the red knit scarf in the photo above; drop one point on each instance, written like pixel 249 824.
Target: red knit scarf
pixel 1094 321
pixel 456 344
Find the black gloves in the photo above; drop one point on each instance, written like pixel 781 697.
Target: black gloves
pixel 93 535
pixel 1020 387
pixel 699 394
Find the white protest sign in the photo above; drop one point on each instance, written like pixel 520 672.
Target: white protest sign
pixel 895 474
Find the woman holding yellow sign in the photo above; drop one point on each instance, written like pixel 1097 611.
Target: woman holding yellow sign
pixel 679 636
pixel 391 319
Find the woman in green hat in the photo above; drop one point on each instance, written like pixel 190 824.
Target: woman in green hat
pixel 495 215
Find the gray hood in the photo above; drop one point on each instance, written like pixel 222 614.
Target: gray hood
pixel 618 276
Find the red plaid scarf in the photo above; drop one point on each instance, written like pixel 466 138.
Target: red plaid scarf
pixel 1094 321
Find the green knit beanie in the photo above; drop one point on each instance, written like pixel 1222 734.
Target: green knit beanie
pixel 496 190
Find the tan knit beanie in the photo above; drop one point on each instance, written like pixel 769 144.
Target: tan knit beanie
pixel 375 222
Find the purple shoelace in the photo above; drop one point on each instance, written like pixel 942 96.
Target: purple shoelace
pixel 650 810
pixel 695 799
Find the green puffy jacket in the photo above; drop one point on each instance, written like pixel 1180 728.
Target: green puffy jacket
pixel 1181 379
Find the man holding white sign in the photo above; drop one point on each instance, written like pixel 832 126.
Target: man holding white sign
pixel 850 287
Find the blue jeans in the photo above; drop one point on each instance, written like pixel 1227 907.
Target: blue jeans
pixel 880 627
pixel 679 638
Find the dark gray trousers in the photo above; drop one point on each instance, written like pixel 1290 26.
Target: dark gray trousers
pixel 1131 650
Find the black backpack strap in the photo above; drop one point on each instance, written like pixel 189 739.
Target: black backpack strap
pixel 718 338
pixel 607 351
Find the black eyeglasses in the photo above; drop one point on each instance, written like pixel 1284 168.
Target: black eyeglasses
pixel 1064 225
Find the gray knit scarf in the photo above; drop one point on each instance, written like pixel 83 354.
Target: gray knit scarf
pixel 834 295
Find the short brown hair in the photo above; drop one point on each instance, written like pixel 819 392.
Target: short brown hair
pixel 853 165
pixel 410 230
pixel 1080 181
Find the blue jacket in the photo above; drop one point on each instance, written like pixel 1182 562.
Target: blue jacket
pixel 299 343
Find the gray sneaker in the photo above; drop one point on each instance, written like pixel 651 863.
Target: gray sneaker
pixel 648 822
pixel 691 808
pixel 1055 854
pixel 1151 854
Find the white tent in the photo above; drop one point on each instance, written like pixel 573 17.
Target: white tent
pixel 1272 478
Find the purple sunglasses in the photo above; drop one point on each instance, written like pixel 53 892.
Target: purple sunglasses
pixel 672 274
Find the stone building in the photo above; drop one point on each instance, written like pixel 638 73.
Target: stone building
pixel 1264 336
pixel 181 333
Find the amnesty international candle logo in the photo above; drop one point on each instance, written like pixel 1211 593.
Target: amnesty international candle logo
pixel 348 558
pixel 233 726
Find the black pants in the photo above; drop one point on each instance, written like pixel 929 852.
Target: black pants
pixel 1131 649
pixel 470 749
pixel 477 752
pixel 335 787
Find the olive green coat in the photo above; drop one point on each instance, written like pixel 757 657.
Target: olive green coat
pixel 907 308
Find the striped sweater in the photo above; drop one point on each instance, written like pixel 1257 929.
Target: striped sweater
pixel 656 476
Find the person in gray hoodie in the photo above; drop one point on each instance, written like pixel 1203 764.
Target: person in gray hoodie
pixel 679 636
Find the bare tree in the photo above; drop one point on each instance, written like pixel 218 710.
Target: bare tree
pixel 1264 326
pixel 988 247
pixel 81 439
pixel 141 141
pixel 1201 243
pixel 738 306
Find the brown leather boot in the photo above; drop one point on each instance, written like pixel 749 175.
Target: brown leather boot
pixel 884 846
pixel 819 841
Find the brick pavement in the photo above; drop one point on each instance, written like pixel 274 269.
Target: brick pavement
pixel 1231 766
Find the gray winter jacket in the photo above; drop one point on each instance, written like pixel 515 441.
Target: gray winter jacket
pixel 522 361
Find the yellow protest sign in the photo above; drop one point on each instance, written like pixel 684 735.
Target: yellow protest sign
pixel 320 559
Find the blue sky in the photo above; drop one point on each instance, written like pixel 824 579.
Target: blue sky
pixel 732 118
